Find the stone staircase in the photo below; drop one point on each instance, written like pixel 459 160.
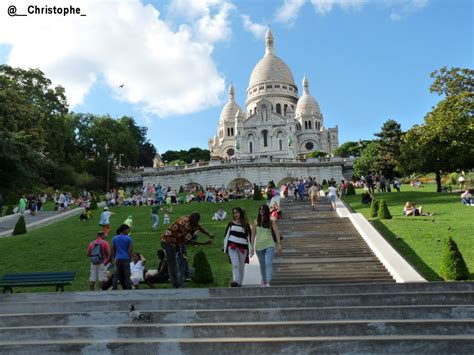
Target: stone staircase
pixel 368 318
pixel 321 248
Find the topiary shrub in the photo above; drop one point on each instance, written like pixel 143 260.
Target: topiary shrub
pixel 383 212
pixel 453 266
pixel 374 208
pixel 324 182
pixel 20 226
pixel 257 194
pixel 202 269
pixel 93 205
pixel 350 190
pixel 9 210
pixel 181 189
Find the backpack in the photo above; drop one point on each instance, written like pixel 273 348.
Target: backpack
pixel 97 257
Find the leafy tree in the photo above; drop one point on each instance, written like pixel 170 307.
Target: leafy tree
pixel 188 156
pixel 452 82
pixel 389 142
pixel 445 142
pixel 453 266
pixel 351 149
pixel 316 154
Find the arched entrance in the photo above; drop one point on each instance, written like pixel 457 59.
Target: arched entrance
pixel 193 186
pixel 238 183
pixel 285 181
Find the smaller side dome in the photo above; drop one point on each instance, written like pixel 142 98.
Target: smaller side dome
pixel 307 105
pixel 231 107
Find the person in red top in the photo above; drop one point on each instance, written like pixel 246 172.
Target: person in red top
pixel 99 259
pixel 178 234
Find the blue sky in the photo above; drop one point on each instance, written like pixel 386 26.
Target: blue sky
pixel 366 61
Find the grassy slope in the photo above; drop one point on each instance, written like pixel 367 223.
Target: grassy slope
pixel 62 246
pixel 420 239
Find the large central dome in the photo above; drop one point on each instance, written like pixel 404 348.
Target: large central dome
pixel 270 67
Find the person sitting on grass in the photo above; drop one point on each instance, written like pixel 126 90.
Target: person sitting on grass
pixel 137 268
pixel 466 198
pixel 85 215
pixel 220 215
pixel 161 274
pixel 366 198
pixel 411 210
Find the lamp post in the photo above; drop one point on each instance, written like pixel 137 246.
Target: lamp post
pixel 107 157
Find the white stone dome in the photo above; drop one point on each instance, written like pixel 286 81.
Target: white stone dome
pixel 231 107
pixel 307 104
pixel 270 67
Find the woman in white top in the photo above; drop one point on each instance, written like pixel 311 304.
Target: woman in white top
pixel 332 194
pixel 137 267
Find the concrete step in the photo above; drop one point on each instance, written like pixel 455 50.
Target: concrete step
pixel 375 299
pixel 201 293
pixel 272 329
pixel 406 312
pixel 244 345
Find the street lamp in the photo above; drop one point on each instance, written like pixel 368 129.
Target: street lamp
pixel 107 157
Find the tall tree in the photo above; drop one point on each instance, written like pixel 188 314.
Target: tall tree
pixel 351 149
pixel 445 142
pixel 452 82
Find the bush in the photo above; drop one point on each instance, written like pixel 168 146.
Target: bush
pixel 324 182
pixel 350 190
pixel 9 210
pixel 453 266
pixel 93 205
pixel 202 269
pixel 20 226
pixel 374 208
pixel 383 212
pixel 257 194
pixel 181 189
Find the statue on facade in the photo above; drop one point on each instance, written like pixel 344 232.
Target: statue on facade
pixel 290 140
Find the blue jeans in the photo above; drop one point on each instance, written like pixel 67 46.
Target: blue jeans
pixel 155 219
pixel 265 258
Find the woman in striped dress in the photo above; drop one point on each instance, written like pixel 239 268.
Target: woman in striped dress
pixel 237 245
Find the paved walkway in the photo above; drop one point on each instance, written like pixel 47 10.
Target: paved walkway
pixel 44 218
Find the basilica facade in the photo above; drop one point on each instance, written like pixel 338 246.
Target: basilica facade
pixel 277 122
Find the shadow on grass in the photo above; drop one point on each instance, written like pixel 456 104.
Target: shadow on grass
pixel 406 251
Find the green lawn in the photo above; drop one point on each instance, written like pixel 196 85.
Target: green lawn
pixel 62 246
pixel 420 239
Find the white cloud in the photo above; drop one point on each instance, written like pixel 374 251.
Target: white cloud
pixel 325 6
pixel 165 71
pixel 257 29
pixel 404 8
pixel 288 12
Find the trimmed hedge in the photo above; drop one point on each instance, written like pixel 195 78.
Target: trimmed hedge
pixel 257 194
pixel 350 190
pixel 374 208
pixel 383 212
pixel 202 269
pixel 93 205
pixel 20 226
pixel 9 210
pixel 453 266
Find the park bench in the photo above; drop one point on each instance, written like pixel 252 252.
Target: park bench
pixel 33 279
pixel 446 188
